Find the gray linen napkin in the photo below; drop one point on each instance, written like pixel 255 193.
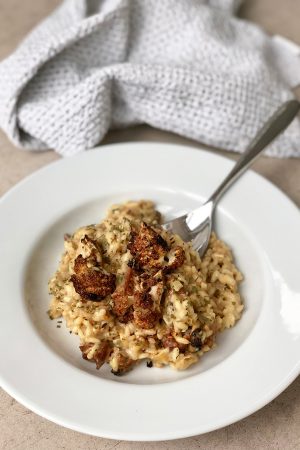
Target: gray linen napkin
pixel 190 67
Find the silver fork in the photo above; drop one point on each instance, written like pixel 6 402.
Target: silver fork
pixel 196 225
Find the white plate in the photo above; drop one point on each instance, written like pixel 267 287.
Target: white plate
pixel 41 365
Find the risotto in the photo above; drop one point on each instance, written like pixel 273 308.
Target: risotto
pixel 132 291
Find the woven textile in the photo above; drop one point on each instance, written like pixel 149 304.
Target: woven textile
pixel 190 67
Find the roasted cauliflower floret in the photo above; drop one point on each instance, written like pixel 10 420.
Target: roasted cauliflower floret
pixel 150 251
pixel 148 247
pixel 122 303
pixel 175 258
pixel 120 363
pixel 100 356
pixel 90 249
pixel 147 307
pixel 145 315
pixel 91 282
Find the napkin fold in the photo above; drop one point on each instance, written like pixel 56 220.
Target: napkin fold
pixel 190 67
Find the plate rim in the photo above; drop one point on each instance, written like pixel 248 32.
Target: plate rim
pixel 106 147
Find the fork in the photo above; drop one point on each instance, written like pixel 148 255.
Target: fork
pixel 196 225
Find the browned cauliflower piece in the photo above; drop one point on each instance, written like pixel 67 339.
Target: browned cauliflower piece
pixel 122 306
pixel 176 258
pixel 91 283
pixel 101 354
pixel 123 362
pixel 148 247
pixel 147 308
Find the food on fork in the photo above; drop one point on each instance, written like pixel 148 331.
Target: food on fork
pixel 132 291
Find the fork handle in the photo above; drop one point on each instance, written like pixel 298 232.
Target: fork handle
pixel 272 128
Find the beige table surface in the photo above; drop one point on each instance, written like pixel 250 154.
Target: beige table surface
pixel 277 425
